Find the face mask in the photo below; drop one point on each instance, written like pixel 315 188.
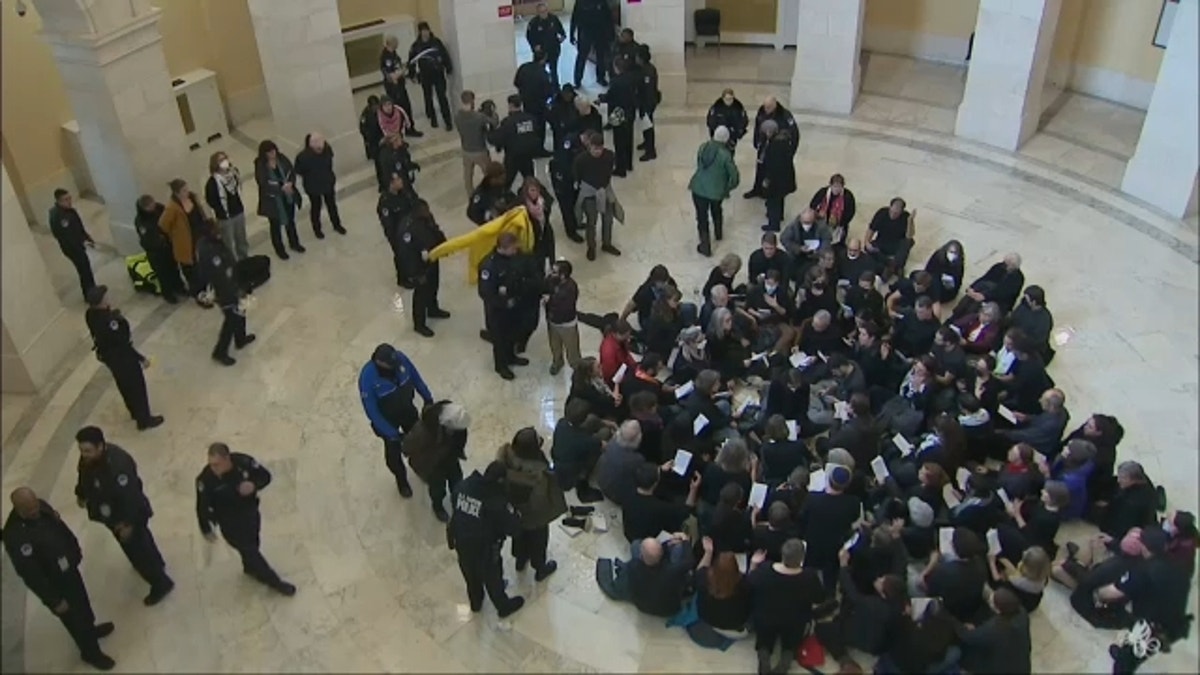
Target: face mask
pixel 951 256
pixel 1168 527
pixel 728 100
pixel 852 256
pixel 701 345
pixel 224 165
pixel 769 288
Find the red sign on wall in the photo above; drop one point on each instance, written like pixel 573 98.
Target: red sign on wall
pixel 504 11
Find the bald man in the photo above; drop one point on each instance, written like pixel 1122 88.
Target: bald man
pixel 46 555
pixel 658 574
pixel 314 165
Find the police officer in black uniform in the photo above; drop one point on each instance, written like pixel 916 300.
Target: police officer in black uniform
pixel 112 341
pixel 648 99
pixel 771 109
pixel 626 47
pixel 216 265
pixel 500 287
pixel 562 179
pixel 622 100
pixel 394 73
pixel 518 138
pixel 493 196
pixel 535 88
pixel 158 248
pixel 481 521
pixel 422 235
pixel 73 239
pixel 592 28
pixel 111 490
pixel 395 157
pixel 547 32
pixel 393 210
pixel 227 495
pixel 46 555
pixel 431 60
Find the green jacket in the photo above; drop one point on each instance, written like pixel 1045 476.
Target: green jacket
pixel 716 175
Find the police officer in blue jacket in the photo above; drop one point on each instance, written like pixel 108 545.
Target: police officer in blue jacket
pixel 387 383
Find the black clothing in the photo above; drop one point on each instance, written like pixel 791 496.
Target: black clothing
pixel 547 33
pixel 389 64
pixel 507 284
pixel 482 519
pixel 730 613
pixel 489 202
pixel 316 169
pixel 158 247
pixel 113 343
pixel 420 236
pixel 46 555
pixel 940 267
pixel 759 264
pixel 594 171
pixel 622 100
pixel 1134 506
pixel 778 171
pixel 592 28
pixel 278 207
pixel 67 228
pixel 216 265
pixel 658 590
pixel 787 123
pixel 869 620
pixel 392 160
pixel 1001 286
pixel 219 501
pixel 432 62
pixel 644 516
pixel 780 458
pixel 393 209
pixel 828 519
pixel 535 88
pixel 890 233
pixel 998 645
pixel 959 583
pixel 518 138
pixel 574 451
pixel 783 606
pixel 914 337
pixel 730 529
pixel 733 117
pixel 368 128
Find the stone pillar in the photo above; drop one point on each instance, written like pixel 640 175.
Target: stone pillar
pixel 662 24
pixel 828 72
pixel 1002 103
pixel 308 83
pixel 1162 170
pixel 110 56
pixel 38 331
pixel 480 37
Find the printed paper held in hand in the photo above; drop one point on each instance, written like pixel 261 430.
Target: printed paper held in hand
pixel 948 280
pixel 880 468
pixel 961 477
pixel 741 407
pixel 682 391
pixel 919 605
pixel 758 495
pixel 850 542
pixel 671 359
pixel 812 244
pixel 1003 495
pixel 801 360
pixel 698 425
pixel 683 459
pixel 949 496
pixel 902 445
pixel 816 481
pixel 761 356
pixel 946 542
pixel 993 540
pixel 841 411
pixel 620 374
pixel 793 430
pixel 1007 414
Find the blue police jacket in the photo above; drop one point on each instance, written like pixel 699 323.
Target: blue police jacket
pixel 373 387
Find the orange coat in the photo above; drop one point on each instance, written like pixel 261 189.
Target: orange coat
pixel 175 224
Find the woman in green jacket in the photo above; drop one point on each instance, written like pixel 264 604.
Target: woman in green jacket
pixel 536 496
pixel 715 178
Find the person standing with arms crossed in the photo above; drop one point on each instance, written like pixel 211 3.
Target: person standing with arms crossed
pixel 73 239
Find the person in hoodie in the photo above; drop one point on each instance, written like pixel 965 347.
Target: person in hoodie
pixel 314 165
pixel 158 248
pixel 435 448
pixel 716 176
pixel 728 112
pixel 223 194
pixel 537 498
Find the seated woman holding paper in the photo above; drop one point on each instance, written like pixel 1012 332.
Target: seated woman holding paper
pixel 904 412
pixel 789 397
pixel 858 434
pixel 734 464
pixel 771 304
pixel 730 349
pixel 689 357
pixel 978 508
pixel 588 385
pixel 781 452
pixel 1026 580
pixel 957 573
pixel 664 322
pixel 980 331
pixel 1033 521
pixel 945 268
pixel 724 274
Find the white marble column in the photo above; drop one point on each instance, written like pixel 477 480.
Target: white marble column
pixel 1001 105
pixel 1162 170
pixel 38 331
pixel 308 83
pixel 828 72
pixel 662 25
pixel 110 56
pixel 479 35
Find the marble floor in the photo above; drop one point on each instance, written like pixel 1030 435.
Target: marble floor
pixel 378 589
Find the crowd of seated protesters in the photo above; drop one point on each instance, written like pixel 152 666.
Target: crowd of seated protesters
pixel 897 449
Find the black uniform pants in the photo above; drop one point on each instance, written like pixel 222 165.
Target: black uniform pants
pixel 167 270
pixel 278 226
pixel 649 139
pixel 315 201
pixel 451 476
pixel 514 164
pixel 425 294
pixel 567 195
pixel 131 383
pixel 436 84
pixel 529 318
pixel 191 275
pixel 79 619
pixel 502 327
pixel 142 552
pixel 529 546
pixel 242 533
pixel 483 571
pixel 233 329
pixel 398 93
pixel 83 267
pixel 552 56
pixel 586 43
pixel 623 146
pixel 394 458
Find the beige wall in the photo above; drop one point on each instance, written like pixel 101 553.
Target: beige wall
pixel 362 11
pixel 951 18
pixel 1116 35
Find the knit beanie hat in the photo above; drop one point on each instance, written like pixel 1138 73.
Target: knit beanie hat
pixel 839 476
pixel 721 134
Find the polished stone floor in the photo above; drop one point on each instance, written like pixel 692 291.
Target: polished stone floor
pixel 378 589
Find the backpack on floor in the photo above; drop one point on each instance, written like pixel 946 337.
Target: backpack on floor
pixel 252 271
pixel 142 274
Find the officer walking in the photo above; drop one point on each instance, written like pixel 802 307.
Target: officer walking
pixel 386 384
pixel 393 210
pixel 500 281
pixel 111 490
pixel 648 99
pixel 622 100
pixel 111 339
pixel 422 235
pixel 46 555
pixel 216 264
pixel 535 89
pixel 481 521
pixel 73 239
pixel 227 495
pixel 394 72
pixel 592 28
pixel 562 179
pixel 517 137
pixel 547 32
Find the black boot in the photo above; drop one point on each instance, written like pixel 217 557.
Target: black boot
pixel 718 230
pixel 705 247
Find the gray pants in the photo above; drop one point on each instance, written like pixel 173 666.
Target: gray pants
pixel 590 215
pixel 233 233
pixel 564 339
pixel 470 160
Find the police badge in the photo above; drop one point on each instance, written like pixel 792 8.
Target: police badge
pixel 105 510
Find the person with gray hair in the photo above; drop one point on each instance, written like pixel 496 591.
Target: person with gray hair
pixel 778 171
pixel 394 71
pixel 1043 430
pixel 981 332
pixel 715 177
pixel 772 111
pixel 1001 284
pixel 616 472
pixel 785 595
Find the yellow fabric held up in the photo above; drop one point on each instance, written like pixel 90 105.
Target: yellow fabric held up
pixel 479 242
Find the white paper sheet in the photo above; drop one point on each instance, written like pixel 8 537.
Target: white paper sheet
pixel 946 542
pixel 823 356
pixel 812 244
pixel 902 445
pixel 841 411
pixel 843 283
pixel 758 495
pixel 761 356
pixel 880 468
pixel 1003 495
pixel 993 541
pixel 620 374
pixel 741 407
pixel 793 430
pixel 1007 414
pixel 850 542
pixel 699 423
pixel 671 359
pixel 961 477
pixel 682 391
pixel 796 359
pixel 683 459
pixel 949 496
pixel 919 605
pixel 816 481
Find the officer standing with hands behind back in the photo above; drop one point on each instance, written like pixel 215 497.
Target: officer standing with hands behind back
pixel 500 288
pixel 46 555
pixel 386 384
pixel 227 494
pixel 481 521
pixel 111 490
pixel 112 341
